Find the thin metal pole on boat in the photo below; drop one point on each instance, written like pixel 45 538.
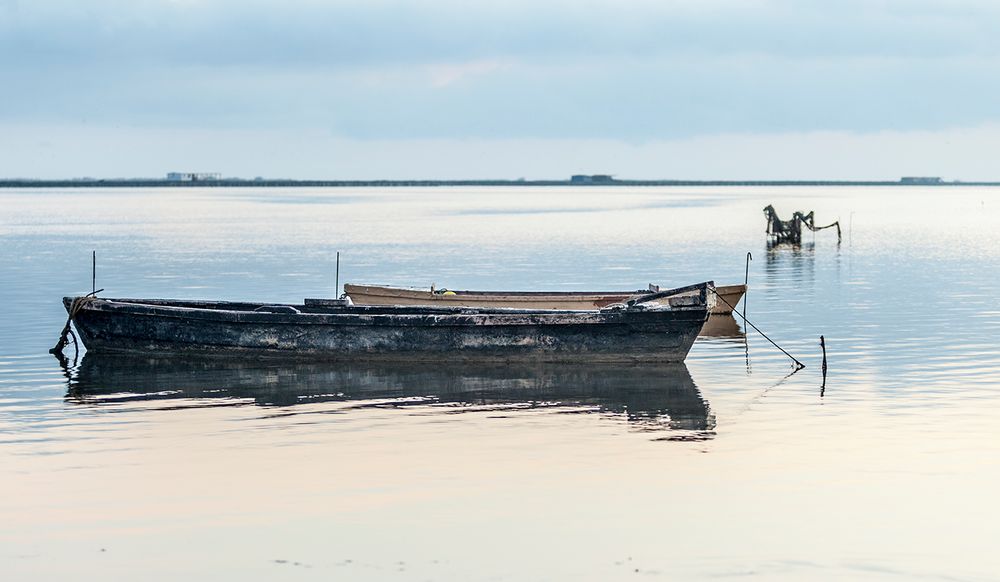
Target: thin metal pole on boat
pixel 338 273
pixel 746 287
pixel 93 273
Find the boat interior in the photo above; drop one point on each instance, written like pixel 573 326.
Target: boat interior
pixel 341 306
pixel 334 306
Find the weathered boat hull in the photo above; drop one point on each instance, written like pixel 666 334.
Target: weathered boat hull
pixel 729 296
pixel 318 331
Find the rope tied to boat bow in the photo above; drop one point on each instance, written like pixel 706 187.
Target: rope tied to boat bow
pixel 67 331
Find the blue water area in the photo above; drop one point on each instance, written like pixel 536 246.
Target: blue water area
pixel 726 467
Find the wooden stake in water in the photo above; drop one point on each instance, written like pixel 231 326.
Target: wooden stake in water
pixel 338 273
pixel 822 344
pixel 93 273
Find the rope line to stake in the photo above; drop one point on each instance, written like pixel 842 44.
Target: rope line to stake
pixel 757 329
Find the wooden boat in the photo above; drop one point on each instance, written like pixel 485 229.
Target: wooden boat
pixel 640 330
pixel 729 296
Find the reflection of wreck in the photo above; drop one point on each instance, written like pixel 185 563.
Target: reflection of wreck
pixel 794 263
pixel 654 397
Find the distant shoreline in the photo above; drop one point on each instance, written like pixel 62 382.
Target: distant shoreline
pixel 224 183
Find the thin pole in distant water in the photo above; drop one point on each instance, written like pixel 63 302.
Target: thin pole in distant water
pixel 338 273
pixel 93 273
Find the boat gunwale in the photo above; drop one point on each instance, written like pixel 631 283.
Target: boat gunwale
pixel 373 315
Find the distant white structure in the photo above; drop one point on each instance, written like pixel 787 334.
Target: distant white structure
pixel 193 176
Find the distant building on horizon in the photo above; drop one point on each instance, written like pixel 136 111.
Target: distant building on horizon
pixel 193 176
pixel 921 180
pixel 591 179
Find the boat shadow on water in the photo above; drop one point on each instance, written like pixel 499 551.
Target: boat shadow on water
pixel 661 398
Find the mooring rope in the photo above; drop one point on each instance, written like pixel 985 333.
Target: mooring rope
pixel 67 331
pixel 750 323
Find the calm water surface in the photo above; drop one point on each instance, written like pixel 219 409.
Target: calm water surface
pixel 724 468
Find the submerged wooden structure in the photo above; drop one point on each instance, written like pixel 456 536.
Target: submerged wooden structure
pixel 728 297
pixel 791 230
pixel 641 330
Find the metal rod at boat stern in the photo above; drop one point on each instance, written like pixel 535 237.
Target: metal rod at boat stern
pixel 746 287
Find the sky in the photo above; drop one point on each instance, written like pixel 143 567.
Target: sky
pixel 685 89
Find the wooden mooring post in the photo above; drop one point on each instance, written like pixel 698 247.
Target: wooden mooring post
pixel 822 344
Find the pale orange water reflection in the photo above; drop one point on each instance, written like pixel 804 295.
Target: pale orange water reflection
pixel 723 468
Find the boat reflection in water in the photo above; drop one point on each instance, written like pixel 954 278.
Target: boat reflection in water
pixel 723 327
pixel 658 397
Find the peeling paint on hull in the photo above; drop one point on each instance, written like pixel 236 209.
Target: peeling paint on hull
pixel 388 333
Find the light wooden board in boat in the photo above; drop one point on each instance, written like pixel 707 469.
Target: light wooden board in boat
pixel 729 296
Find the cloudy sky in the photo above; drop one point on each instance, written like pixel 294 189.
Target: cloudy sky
pixel 727 89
